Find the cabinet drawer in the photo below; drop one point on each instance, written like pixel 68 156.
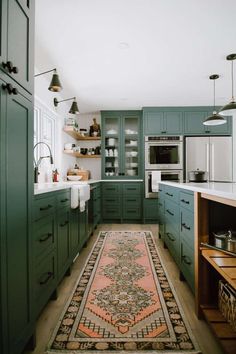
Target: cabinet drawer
pixel 110 200
pixel 187 263
pixel 172 213
pixel 172 241
pixel 187 226
pixel 63 199
pixel 112 212
pixel 44 235
pixel 186 200
pixel 172 193
pixel 44 207
pixel 132 213
pixel 132 201
pixel 132 188
pixel 110 188
pixel 161 189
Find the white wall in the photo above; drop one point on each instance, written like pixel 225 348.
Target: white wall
pixel 234 147
pixel 62 161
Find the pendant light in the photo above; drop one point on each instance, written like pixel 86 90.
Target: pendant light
pixel 74 107
pixel 55 85
pixel 230 108
pixel 215 118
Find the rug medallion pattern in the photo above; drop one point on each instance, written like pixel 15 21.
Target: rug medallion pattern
pixel 123 301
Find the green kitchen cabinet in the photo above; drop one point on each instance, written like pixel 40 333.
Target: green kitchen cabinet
pixel 150 210
pixel 121 202
pixel 193 123
pixel 17 41
pixel 94 207
pixel 162 121
pixel 16 129
pixel 83 227
pixel 161 211
pixel 121 145
pixel 74 233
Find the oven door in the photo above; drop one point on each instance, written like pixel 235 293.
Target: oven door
pixel 172 176
pixel 163 155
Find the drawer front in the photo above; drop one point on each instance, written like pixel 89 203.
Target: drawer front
pixel 172 241
pixel 161 211
pixel 112 212
pixel 187 226
pixel 132 200
pixel 186 200
pixel 44 235
pixel 97 192
pixel 111 200
pixel 111 188
pixel 132 189
pixel 132 213
pixel 63 199
pixel 161 189
pixel 187 263
pixel 172 193
pixel 172 213
pixel 45 280
pixel 44 207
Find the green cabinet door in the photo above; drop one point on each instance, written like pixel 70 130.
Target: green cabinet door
pixel 173 123
pixel 20 37
pixel 3 31
pixel 153 123
pixel 150 210
pixel 74 233
pixel 83 228
pixel 193 122
pixel 63 242
pixel 162 121
pixel 16 138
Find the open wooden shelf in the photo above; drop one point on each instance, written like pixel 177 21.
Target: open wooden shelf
pixel 76 154
pixel 221 328
pixel 78 136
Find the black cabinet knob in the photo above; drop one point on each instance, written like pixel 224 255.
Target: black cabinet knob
pixel 10 89
pixel 10 67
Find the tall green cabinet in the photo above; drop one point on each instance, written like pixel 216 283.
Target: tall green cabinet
pixel 16 178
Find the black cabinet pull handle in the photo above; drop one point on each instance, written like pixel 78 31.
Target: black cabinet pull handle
pixel 169 236
pixel 45 238
pixel 46 207
pixel 64 224
pixel 185 201
pixel 163 131
pixel 10 89
pixel 208 131
pixel 160 205
pixel 186 260
pixel 64 200
pixel 10 67
pixel 131 200
pixel 186 227
pixel 169 212
pixel 169 194
pixel 49 275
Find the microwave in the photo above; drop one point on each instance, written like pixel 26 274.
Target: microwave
pixel 163 152
pixel 174 176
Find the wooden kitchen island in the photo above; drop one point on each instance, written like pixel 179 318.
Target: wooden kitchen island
pixel 189 213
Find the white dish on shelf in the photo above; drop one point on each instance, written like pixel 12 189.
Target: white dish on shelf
pixel 133 153
pixel 112 131
pixel 131 172
pixel 133 164
pixel 74 178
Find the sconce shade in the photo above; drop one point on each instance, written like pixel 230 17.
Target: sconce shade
pixel 215 119
pixel 74 108
pixel 55 84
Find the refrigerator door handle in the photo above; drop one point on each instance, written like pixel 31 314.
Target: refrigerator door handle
pixel 212 159
pixel 207 160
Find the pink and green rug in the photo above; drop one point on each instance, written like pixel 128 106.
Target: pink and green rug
pixel 123 302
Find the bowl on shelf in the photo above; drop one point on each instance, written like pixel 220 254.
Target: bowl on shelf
pixel 73 178
pixel 131 172
pixel 133 164
pixel 133 153
pixel 112 131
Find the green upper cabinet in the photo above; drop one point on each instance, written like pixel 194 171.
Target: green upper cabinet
pixel 193 123
pixel 162 121
pixel 121 144
pixel 16 47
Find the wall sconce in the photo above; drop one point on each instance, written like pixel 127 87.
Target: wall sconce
pixel 55 85
pixel 230 108
pixel 74 107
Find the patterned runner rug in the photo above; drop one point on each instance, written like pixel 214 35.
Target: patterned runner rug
pixel 123 302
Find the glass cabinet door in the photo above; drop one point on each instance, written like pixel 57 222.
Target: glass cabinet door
pixel 112 146
pixel 131 146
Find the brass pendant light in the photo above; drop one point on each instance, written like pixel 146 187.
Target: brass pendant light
pixel 74 107
pixel 215 118
pixel 55 85
pixel 230 108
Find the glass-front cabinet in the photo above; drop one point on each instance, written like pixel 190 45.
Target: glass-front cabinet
pixel 121 144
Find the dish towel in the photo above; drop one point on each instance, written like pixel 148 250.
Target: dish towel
pixel 74 197
pixel 156 178
pixel 84 195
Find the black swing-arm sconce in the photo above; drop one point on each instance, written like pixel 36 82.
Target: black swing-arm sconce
pixel 55 85
pixel 74 107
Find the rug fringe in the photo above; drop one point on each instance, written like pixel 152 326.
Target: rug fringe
pixel 121 352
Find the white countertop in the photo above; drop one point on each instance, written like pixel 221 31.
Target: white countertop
pixel 219 189
pixel 40 188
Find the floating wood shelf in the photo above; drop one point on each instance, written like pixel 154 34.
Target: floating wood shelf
pixel 78 136
pixel 76 154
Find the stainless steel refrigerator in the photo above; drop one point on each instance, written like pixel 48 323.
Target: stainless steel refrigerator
pixel 211 154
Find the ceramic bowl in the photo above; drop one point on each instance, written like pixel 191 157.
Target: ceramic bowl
pixel 74 178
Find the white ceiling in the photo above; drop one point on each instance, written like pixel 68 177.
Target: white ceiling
pixel 129 54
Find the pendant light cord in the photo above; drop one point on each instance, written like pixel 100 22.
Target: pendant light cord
pixel 214 93
pixel 232 73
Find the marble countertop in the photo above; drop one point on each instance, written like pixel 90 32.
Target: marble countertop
pixel 40 188
pixel 219 189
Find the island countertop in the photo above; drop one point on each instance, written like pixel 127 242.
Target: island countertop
pixel 219 189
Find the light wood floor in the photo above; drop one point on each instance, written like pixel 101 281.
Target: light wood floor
pixel 49 317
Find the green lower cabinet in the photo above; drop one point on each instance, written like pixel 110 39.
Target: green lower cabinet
pixel 94 207
pixel 121 202
pixel 150 210
pixel 74 233
pixel 83 227
pixel 63 242
pixel 171 239
pixel 187 264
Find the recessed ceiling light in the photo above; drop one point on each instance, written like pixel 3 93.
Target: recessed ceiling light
pixel 124 45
